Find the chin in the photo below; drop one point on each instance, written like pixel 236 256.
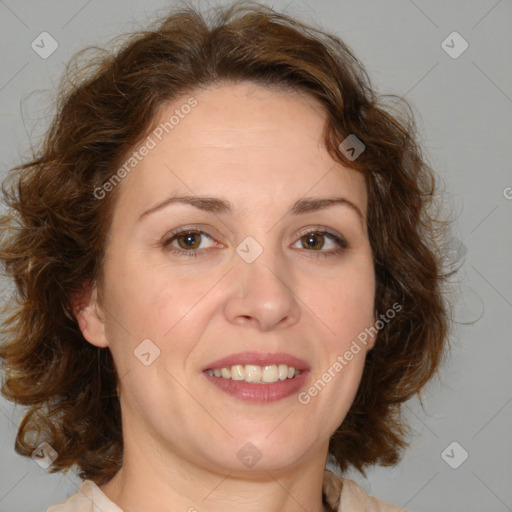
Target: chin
pixel 258 453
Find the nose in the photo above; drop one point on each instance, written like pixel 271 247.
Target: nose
pixel 261 293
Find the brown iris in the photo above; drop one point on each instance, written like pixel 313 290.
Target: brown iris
pixel 313 241
pixel 191 240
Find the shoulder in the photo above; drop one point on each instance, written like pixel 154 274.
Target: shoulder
pixel 354 498
pixel 344 495
pixel 89 498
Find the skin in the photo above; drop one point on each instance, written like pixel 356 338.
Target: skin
pixel 261 149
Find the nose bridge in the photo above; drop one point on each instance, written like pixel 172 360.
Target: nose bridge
pixel 261 263
pixel 261 253
pixel 262 283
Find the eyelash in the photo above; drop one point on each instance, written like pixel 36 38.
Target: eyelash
pixel 342 244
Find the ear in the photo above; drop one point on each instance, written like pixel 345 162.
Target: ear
pixel 89 315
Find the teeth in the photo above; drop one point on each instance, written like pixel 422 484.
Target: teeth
pixel 270 373
pixel 256 374
pixel 237 372
pixel 252 373
pixel 283 371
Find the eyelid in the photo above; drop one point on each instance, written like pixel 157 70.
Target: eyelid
pixel 169 237
pixel 337 238
pixel 196 228
pixel 321 229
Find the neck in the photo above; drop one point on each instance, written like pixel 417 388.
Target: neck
pixel 150 482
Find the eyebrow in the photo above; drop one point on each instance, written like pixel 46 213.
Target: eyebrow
pixel 219 206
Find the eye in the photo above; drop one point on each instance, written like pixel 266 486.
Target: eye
pixel 188 242
pixel 319 240
pixel 194 242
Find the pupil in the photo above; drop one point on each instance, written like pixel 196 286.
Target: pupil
pixel 313 241
pixel 189 240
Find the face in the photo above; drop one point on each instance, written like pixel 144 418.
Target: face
pixel 250 271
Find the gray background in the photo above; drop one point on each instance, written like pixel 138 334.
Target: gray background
pixel 465 106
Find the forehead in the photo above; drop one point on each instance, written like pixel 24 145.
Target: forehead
pixel 243 138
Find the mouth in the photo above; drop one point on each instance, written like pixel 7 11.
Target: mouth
pixel 258 377
pixel 256 374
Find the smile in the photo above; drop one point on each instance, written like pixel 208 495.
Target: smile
pixel 255 374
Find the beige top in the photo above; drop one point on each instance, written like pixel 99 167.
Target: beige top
pixel 343 495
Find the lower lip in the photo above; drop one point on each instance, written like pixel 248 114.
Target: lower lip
pixel 261 393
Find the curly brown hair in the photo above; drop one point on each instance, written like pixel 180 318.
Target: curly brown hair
pixel 55 229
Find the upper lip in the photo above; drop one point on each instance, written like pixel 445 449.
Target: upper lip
pixel 259 359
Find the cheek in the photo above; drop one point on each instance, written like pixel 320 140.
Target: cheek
pixel 345 303
pixel 150 302
pixel 148 298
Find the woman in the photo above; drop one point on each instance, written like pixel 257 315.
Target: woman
pixel 226 273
